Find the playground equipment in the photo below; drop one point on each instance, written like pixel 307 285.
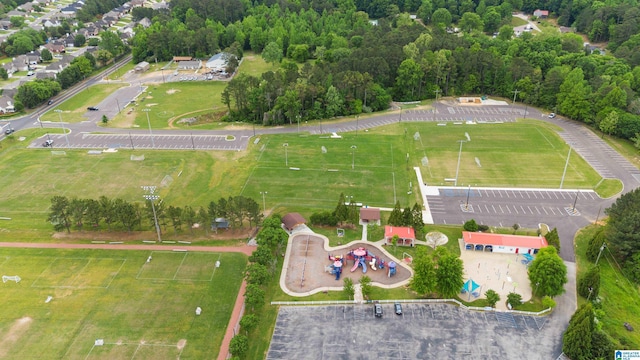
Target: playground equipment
pixel 360 261
pixel 373 264
pixel 336 267
pixel 392 268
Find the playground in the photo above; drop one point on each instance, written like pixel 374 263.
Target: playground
pixel 503 273
pixel 312 266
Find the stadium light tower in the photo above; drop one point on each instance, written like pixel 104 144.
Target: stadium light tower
pixel 62 124
pixel 458 167
pixel 146 111
pixel 152 197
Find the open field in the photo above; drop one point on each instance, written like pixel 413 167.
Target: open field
pixel 619 297
pixel 100 295
pixel 254 65
pixel 75 107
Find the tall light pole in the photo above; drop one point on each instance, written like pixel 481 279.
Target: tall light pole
pixel 353 156
pixel 264 202
pixel 286 155
pixel 600 253
pixel 146 111
pixel 566 164
pixel 466 205
pixel 62 124
pixel 575 201
pixel 458 167
pixel 298 117
pixel 152 197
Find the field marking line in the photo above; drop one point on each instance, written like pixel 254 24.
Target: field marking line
pixel 117 273
pixel 548 141
pixel 215 268
pixel 47 268
pixel 179 266
pixel 78 178
pixel 264 149
pixel 89 354
pixel 80 272
pixel 135 352
pixel 6 258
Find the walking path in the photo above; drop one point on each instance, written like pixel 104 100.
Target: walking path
pixel 237 307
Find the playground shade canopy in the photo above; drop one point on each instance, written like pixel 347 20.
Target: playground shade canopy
pixel 406 235
pixel 470 286
pixel 291 220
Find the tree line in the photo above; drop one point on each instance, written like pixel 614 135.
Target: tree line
pixel 118 214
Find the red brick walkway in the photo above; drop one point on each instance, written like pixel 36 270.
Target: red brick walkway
pixel 235 315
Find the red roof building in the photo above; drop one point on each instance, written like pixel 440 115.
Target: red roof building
pixel 369 215
pixel 406 235
pixel 503 243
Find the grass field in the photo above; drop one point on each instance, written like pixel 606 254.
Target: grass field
pixel 98 294
pixel 619 297
pixel 75 107
pixel 254 65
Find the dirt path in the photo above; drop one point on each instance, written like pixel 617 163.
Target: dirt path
pixel 237 307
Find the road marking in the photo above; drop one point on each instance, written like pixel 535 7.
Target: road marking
pixel 545 211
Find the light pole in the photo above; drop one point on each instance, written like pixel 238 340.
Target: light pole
pixel 152 197
pixel 466 205
pixel 286 156
pixel 353 156
pixel 537 284
pixel 146 111
pixel 298 117
pixel 574 202
pixel 600 253
pixel 62 124
pixel 458 167
pixel 264 202
pixel 566 164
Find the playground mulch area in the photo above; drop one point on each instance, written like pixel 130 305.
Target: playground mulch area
pixel 308 259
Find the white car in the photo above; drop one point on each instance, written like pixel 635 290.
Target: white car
pixel 552 115
pixel 30 73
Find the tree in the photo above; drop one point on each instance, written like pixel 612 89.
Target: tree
pixel 333 102
pixel 609 123
pixel 492 20
pixel 46 55
pixel 395 218
pixel 79 40
pixel 348 289
pixel 576 342
pixel 189 217
pixel 470 22
pixel 272 53
pixel 107 210
pixel 417 222
pixel 548 273
pixel 553 239
pixel 595 244
pixel 471 225
pixel 59 214
pixel 111 42
pixel 365 286
pixel 514 299
pixel 254 296
pixel 441 18
pixel 17 21
pixel 342 211
pixel 262 255
pixel 257 274
pixel 492 297
pixel 4 75
pixel 105 119
pixel 515 227
pixel 449 275
pixel 623 229
pixel 239 345
pixel 589 283
pixel 424 272
pixel 249 322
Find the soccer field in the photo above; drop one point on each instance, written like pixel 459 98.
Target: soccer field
pixel 67 300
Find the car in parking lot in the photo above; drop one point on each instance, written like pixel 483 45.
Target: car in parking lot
pixel 9 131
pixel 48 143
pixel 92 108
pixel 377 310
pixel 552 115
pixel 398 308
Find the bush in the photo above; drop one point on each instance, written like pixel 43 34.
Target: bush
pixel 471 225
pixel 324 218
pixel 492 297
pixel 239 345
pixel 589 280
pixel 483 228
pixel 514 299
pixel 548 302
pixel 595 244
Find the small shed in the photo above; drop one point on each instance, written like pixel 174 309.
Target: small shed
pixel 406 235
pixel 141 67
pixel 543 14
pixel 369 216
pixel 503 243
pixel 220 223
pixel 293 220
pixel 189 65
pixel 182 58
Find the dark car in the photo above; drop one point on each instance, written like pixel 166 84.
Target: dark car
pixel 398 308
pixel 377 310
pixel 92 108
pixel 9 131
pixel 50 102
pixel 48 143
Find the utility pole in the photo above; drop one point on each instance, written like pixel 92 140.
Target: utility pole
pixel 515 92
pixel 437 92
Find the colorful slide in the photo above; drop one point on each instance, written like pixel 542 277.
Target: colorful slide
pixel 355 265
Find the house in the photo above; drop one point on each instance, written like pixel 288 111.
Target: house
pixel 125 36
pixel 45 75
pixel 219 223
pixel 160 5
pixel 6 105
pixel 369 216
pixel 13 13
pixel 292 221
pixel 189 65
pixel 93 30
pixel 9 68
pixel 141 67
pixel 502 243
pixel 136 3
pixel 21 63
pixel 33 57
pixel 5 24
pixel 145 22
pixel 55 47
pixel 218 62
pixel 68 40
pixel 406 235
pixel 542 14
pixel 110 20
pixel 27 7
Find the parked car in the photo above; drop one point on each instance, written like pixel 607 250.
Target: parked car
pixel 92 108
pixel 398 308
pixel 50 102
pixel 552 115
pixel 377 310
pixel 48 143
pixel 30 73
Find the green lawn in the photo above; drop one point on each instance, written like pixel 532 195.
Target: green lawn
pixel 253 64
pixel 121 71
pixel 619 297
pixel 99 294
pixel 75 107
pixel 516 21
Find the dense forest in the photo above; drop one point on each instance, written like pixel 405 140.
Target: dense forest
pixel 352 65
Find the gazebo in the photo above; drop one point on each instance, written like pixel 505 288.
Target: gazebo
pixel 292 220
pixel 369 216
pixel 406 235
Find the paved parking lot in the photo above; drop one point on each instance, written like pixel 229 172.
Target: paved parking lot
pixel 424 331
pixel 144 141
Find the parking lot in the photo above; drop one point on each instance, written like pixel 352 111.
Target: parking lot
pixel 423 331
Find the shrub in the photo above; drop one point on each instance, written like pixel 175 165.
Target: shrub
pixel 471 225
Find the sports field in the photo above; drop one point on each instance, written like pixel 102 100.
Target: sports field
pixel 67 300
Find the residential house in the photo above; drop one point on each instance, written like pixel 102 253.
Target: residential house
pixel 13 13
pixel 112 14
pixel 45 75
pixel 93 30
pixel 21 63
pixel 160 5
pixel 27 7
pixel 110 20
pixel 50 23
pixel 41 3
pixel 9 68
pixel 136 3
pixel 145 22
pixel 6 105
pixel 126 36
pixel 55 47
pixel 34 57
pixel 68 40
pixel 542 14
pixel 5 24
